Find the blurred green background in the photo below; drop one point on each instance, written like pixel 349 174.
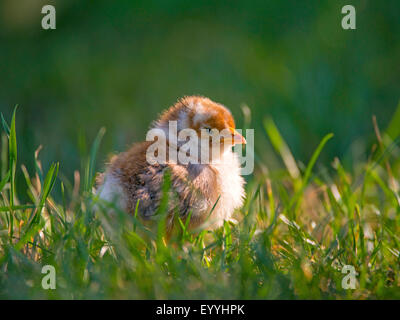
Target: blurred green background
pixel 119 63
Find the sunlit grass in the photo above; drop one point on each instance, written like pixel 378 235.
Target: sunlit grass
pixel 297 229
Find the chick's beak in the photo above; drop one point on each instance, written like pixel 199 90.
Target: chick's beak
pixel 237 137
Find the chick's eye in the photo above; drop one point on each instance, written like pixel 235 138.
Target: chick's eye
pixel 208 129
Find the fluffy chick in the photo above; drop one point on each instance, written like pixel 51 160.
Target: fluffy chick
pixel 130 178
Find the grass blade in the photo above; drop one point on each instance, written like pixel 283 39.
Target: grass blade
pixel 91 166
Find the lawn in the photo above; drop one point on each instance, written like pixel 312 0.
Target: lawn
pixel 298 229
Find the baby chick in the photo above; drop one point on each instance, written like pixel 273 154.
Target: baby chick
pixel 214 187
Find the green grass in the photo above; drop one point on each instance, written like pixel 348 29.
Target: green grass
pixel 299 226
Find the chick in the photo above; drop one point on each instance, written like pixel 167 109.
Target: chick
pixel 211 191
